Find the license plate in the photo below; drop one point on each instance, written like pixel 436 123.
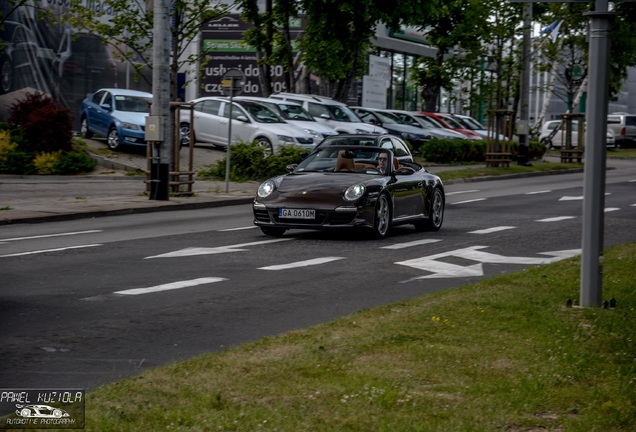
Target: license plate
pixel 297 213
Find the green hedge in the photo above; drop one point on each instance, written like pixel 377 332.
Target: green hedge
pixel 462 151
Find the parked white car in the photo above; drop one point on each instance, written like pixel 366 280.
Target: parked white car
pixel 558 139
pixel 251 122
pixel 296 115
pixel 332 113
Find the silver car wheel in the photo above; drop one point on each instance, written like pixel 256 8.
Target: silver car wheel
pixel 382 221
pixel 112 140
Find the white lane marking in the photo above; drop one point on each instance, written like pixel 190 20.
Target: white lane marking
pixel 461 192
pixel 538 192
pixel 217 250
pixel 50 235
pixel 410 244
pixel 238 229
pixel 468 201
pixel 577 198
pixel 556 219
pixel 171 286
pixel 492 230
pixel 49 250
pixel 633 205
pixel 611 209
pixel 315 261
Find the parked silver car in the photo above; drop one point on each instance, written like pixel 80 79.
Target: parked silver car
pixel 251 122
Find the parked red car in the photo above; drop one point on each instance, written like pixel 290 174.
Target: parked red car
pixel 450 123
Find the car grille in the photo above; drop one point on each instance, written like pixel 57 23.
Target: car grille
pixel 305 140
pixel 261 216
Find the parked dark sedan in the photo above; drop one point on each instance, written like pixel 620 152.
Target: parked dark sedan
pixel 339 187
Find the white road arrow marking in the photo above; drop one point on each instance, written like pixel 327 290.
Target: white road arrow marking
pixel 440 269
pixel 217 250
pixel 315 261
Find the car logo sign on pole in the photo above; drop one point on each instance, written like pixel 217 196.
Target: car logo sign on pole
pixel 232 84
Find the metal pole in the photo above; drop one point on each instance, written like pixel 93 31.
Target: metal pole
pixel 229 142
pixel 524 97
pixel 161 151
pixel 594 176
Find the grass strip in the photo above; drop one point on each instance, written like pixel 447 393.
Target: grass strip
pixel 505 354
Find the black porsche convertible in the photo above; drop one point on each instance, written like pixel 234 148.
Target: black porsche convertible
pixel 338 187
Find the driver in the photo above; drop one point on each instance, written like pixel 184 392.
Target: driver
pixel 382 162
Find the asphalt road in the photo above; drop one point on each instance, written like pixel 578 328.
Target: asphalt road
pixel 89 301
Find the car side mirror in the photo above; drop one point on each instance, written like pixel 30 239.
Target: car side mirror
pixel 106 107
pixel 291 168
pixel 243 119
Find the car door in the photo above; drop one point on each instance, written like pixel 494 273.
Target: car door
pixel 101 115
pixel 207 121
pixel 242 126
pixel 407 189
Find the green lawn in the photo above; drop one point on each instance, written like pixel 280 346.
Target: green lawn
pixel 505 354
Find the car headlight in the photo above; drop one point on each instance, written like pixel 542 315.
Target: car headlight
pixel 126 125
pixel 285 138
pixel 354 192
pixel 361 131
pixel 313 133
pixel 266 188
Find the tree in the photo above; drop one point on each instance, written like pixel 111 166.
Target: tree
pixel 127 26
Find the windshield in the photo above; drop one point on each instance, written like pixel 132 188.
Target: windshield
pixel 471 123
pixel 131 104
pixel 261 113
pixel 294 112
pixel 343 113
pixel 361 160
pixel 453 122
pixel 430 121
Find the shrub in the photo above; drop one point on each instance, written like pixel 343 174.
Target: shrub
pixel 248 162
pixel 19 162
pixel 453 151
pixel 46 163
pixel 45 125
pixel 75 162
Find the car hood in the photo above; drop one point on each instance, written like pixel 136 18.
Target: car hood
pixel 319 189
pixel 284 129
pixel 406 129
pixel 131 117
pixel 313 125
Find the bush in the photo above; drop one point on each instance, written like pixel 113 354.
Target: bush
pixel 248 162
pixel 44 124
pixel 460 151
pixel 453 151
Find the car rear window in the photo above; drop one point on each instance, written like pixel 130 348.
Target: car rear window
pixel 630 120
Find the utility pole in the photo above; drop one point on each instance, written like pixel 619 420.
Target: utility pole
pixel 523 127
pixel 594 180
pixel 161 152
